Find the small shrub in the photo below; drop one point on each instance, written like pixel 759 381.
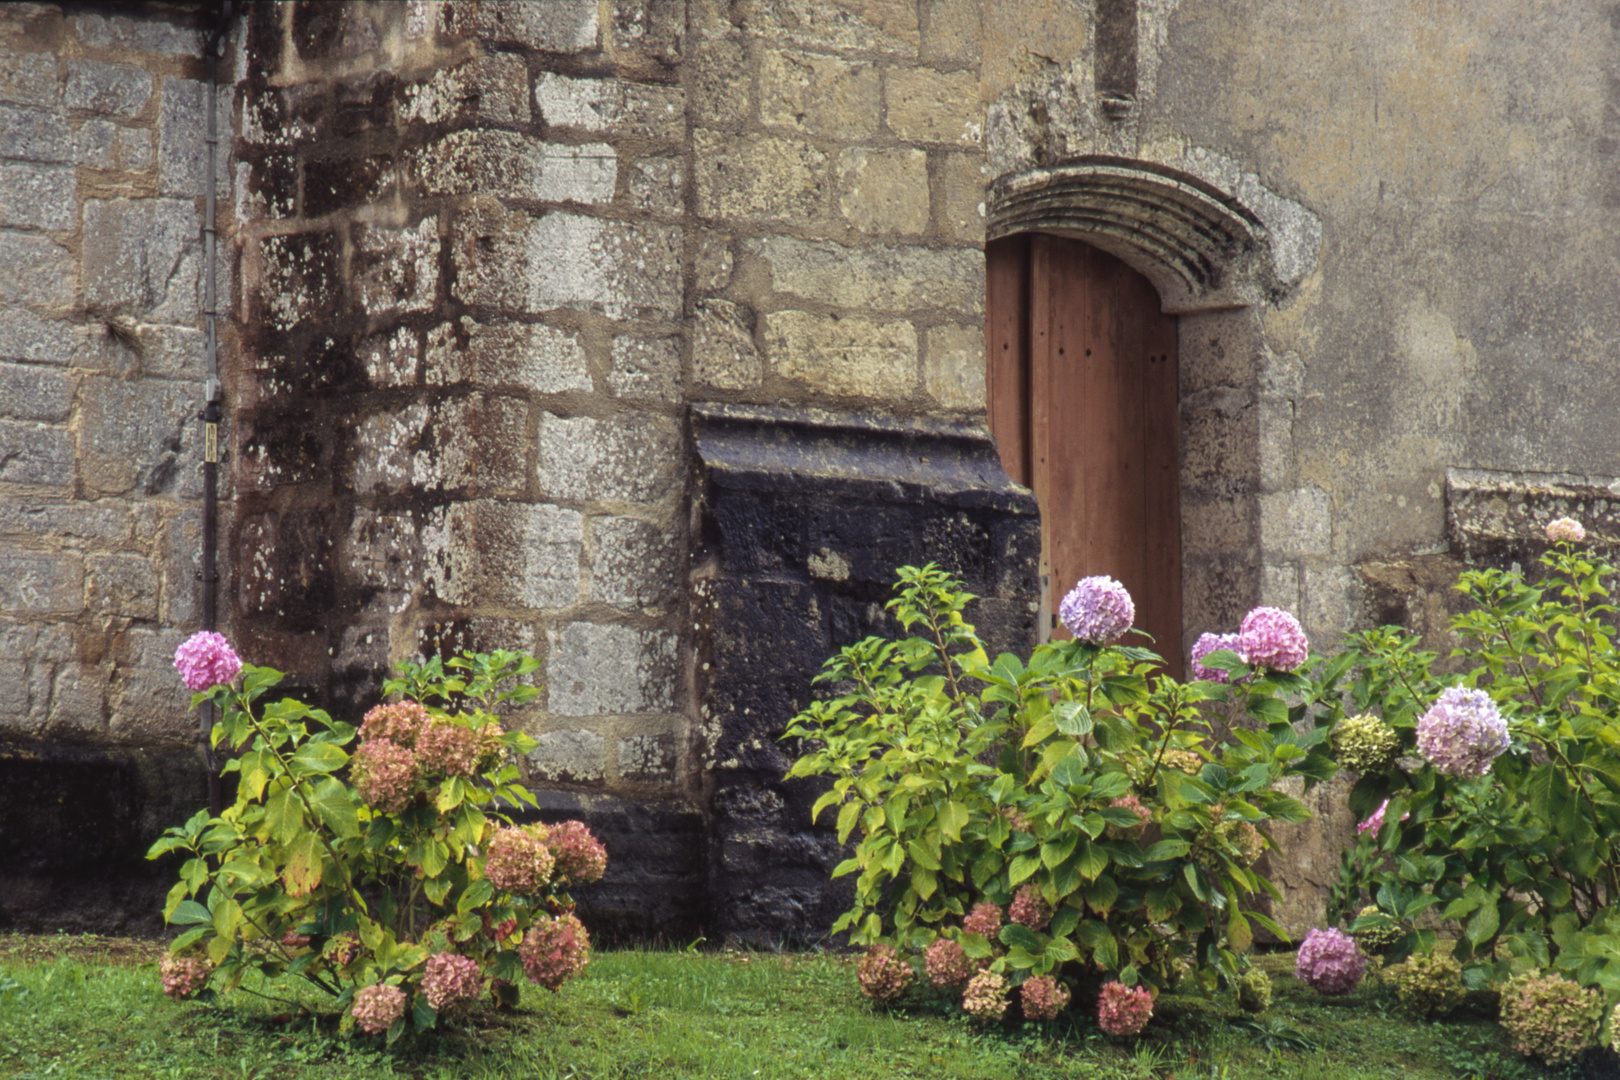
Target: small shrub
pixel 1550 1017
pixel 1428 984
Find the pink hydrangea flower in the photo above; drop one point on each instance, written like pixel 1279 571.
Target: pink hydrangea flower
pixel 1567 530
pixel 385 775
pixel 984 920
pixel 986 996
pixel 1375 820
pixel 1124 1010
pixel 1206 644
pixel 377 1007
pixel 444 746
pixel 1029 909
pixel 1134 805
pixel 519 861
pixel 1462 733
pixel 1098 610
pixel 555 950
pixel 1272 638
pixel 205 660
pixel 1044 997
pixel 399 723
pixel 946 964
pixel 1330 961
pixel 883 974
pixel 449 980
pixel 183 976
pixel 579 855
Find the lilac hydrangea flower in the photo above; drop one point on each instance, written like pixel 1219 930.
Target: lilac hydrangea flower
pixel 1206 644
pixel 1272 638
pixel 1566 529
pixel 1375 820
pixel 1330 961
pixel 205 660
pixel 1098 610
pixel 1462 733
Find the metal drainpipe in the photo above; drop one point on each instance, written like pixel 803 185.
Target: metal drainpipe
pixel 212 400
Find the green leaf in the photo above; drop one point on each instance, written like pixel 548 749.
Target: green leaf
pixel 302 872
pixel 1022 867
pixel 1483 926
pixel 333 801
pixel 847 818
pixel 318 757
pixel 953 818
pixel 1016 935
pixel 1092 860
pixel 284 816
pixel 1073 719
pixel 921 855
pixel 190 913
pixel 1055 851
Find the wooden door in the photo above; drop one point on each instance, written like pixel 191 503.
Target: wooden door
pixel 1081 368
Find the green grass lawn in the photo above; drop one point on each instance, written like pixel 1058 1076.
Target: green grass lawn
pixel 89 1008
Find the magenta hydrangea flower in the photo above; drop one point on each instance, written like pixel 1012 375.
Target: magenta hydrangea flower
pixel 984 920
pixel 580 857
pixel 205 660
pixel 1330 961
pixel 1462 733
pixel 1567 530
pixel 1206 644
pixel 1098 610
pixel 377 1007
pixel 555 950
pixel 1044 997
pixel 1124 1010
pixel 1375 820
pixel 946 964
pixel 450 979
pixel 385 775
pixel 1029 908
pixel 1272 638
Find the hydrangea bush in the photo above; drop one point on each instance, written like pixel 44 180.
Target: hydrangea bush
pixel 1080 817
pixel 388 877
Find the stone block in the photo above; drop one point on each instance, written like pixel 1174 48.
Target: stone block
pixel 1331 602
pixel 41 582
pixel 723 352
pixel 27 337
pixel 1278 459
pixel 881 26
pixel 577 756
pixel 657 185
pixel 648 759
pixel 297 279
pixel 29 392
pixel 140 436
pixel 142 256
pixel 109 89
pixel 596 670
pixel 891 278
pixel 712 262
pixel 36 455
pixel 474 443
pixel 30 79
pixel 959 192
pixel 1220 449
pixel 170 352
pixel 180 563
pixel 391 357
pixel 27 135
pixel 535 357
pixel 79 698
pixel 116 31
pixel 849 357
pixel 632 457
pixel 333 184
pixel 121 586
pixel 563 26
pixel 17 710
pixel 951 31
pixel 382 553
pixel 37 196
pixel 953 366
pixel 105 521
pixel 489 89
pixel 147 701
pixel 640 110
pixel 626 269
pixel 487 552
pixel 396 271
pixel 884 191
pixel 646 369
pixel 1218 526
pixel 764 178
pixel 720 81
pixel 1298 522
pixel 182 126
pixel 934 107
pixel 634 563
pixel 819 95
pixel 1279 586
pixel 586 174
pixel 653 28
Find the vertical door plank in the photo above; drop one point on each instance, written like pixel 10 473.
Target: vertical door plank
pixel 1006 351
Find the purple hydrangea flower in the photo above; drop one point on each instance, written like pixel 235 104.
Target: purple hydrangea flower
pixel 1566 529
pixel 1462 733
pixel 1330 961
pixel 1375 820
pixel 1272 638
pixel 1098 610
pixel 1206 644
pixel 205 660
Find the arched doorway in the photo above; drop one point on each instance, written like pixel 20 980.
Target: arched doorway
pixel 1081 367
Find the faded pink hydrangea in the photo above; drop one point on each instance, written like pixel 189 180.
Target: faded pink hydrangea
pixel 580 856
pixel 449 979
pixel 377 1007
pixel 1124 1010
pixel 1015 817
pixel 947 965
pixel 1375 820
pixel 445 746
pixel 183 976
pixel 205 660
pixel 518 860
pixel 883 974
pixel 1272 638
pixel 986 996
pixel 1206 644
pixel 555 949
pixel 292 939
pixel 1567 530
pixel 1330 962
pixel 1462 733
pixel 1029 909
pixel 385 775
pixel 1098 610
pixel 1044 997
pixel 498 932
pixel 984 920
pixel 400 723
